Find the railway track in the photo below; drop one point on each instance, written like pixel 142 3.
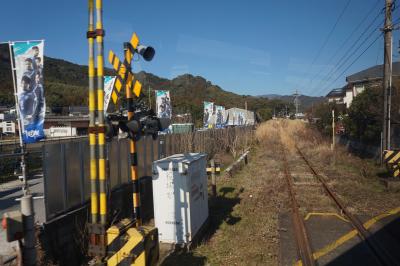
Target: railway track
pixel 302 241
pixel 302 237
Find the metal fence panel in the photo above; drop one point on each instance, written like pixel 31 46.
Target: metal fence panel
pixel 86 168
pixel 66 165
pixel 114 163
pixel 73 174
pixel 140 150
pixel 53 179
pixel 125 161
pixel 149 155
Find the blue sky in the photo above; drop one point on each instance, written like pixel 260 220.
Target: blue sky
pixel 247 47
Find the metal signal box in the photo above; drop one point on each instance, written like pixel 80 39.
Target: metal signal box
pixel 12 223
pixel 180 196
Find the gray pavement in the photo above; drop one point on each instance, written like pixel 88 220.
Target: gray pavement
pixel 10 192
pixel 323 231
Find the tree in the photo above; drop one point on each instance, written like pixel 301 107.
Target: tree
pixel 323 114
pixel 364 119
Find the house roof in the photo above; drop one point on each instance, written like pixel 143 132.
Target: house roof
pixel 338 92
pixel 372 73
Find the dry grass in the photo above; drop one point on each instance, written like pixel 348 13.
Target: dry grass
pixel 245 214
pixel 356 180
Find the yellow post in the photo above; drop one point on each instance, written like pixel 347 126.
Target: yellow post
pixel 100 111
pixel 92 117
pixel 132 150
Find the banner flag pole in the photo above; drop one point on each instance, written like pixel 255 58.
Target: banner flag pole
pixel 21 143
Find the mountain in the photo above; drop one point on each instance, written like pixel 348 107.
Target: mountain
pixel 306 102
pixel 66 85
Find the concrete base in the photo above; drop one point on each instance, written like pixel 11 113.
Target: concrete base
pixel 325 231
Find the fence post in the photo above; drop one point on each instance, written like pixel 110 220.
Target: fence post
pixel 213 179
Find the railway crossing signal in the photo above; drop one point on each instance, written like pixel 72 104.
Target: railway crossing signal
pixel 124 77
pixel 123 69
pixel 121 242
pixel 128 240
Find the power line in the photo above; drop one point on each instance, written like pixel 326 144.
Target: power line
pixel 377 55
pixel 345 57
pixel 355 60
pixel 347 39
pixel 329 36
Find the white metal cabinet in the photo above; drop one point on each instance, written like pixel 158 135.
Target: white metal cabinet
pixel 180 196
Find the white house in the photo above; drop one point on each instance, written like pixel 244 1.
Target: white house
pixel 358 82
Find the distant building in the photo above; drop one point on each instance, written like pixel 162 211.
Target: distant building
pixel 74 122
pixel 182 118
pixel 337 95
pixel 54 132
pixel 7 121
pixel 80 123
pixel 7 127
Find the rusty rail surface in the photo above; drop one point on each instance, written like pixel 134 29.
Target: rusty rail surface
pixel 382 256
pixel 303 244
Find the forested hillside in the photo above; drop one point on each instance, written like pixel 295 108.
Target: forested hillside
pixel 66 85
pixel 305 101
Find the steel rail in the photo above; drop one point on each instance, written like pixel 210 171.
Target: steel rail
pixel 382 256
pixel 303 244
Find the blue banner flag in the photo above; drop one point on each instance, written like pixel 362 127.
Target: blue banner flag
pixel 28 59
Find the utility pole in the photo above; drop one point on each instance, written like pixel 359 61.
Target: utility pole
pixel 333 130
pixel 387 74
pixel 149 93
pixel 296 101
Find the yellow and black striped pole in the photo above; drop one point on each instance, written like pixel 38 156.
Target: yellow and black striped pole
pixel 132 150
pixel 100 111
pixel 92 117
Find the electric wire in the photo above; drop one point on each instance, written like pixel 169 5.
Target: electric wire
pixel 329 35
pixel 346 41
pixel 347 55
pixel 355 60
pixel 350 52
pixel 394 7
